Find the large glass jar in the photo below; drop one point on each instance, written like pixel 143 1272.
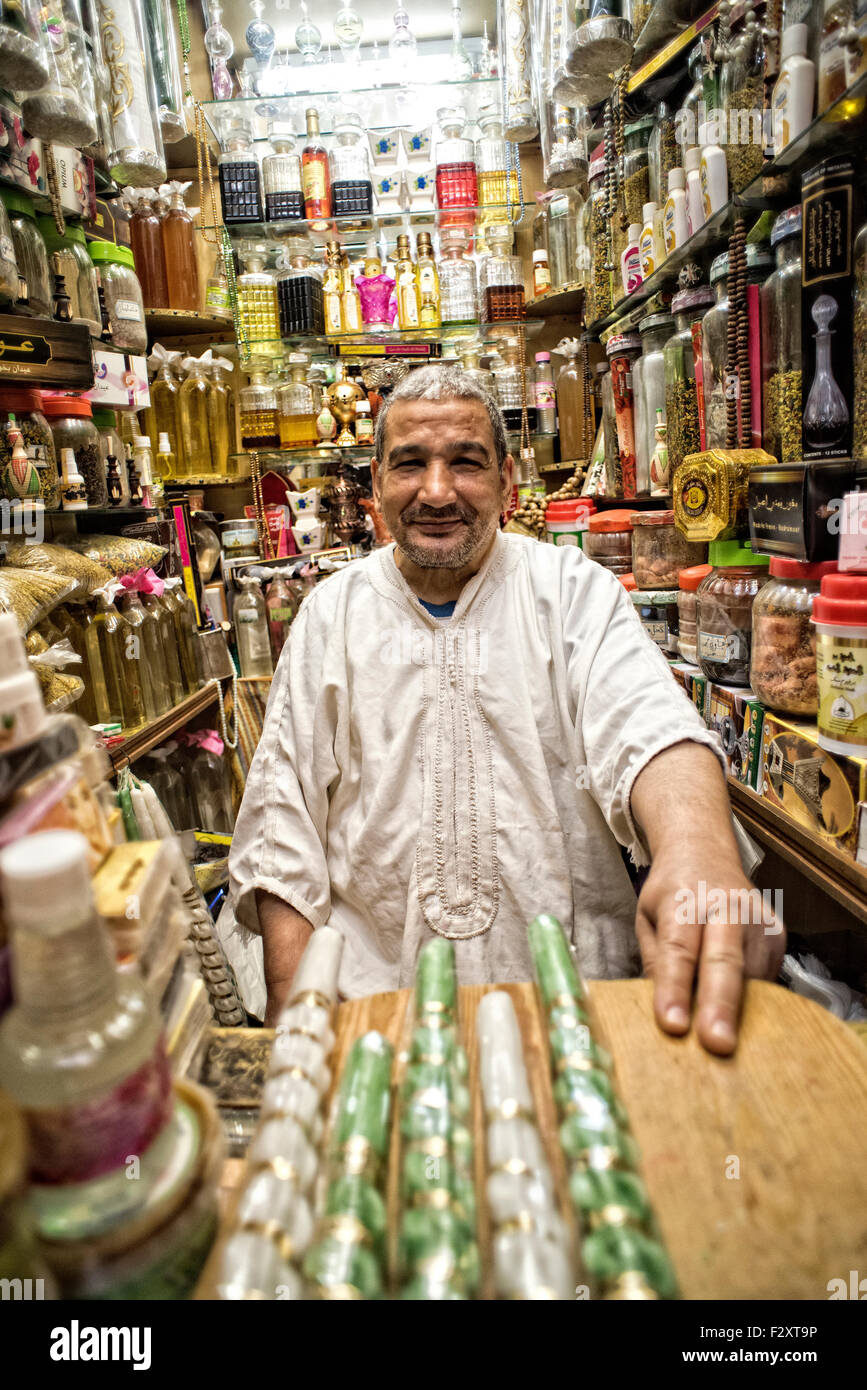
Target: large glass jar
pixel 71 421
pixel 240 190
pixel 683 433
pixel 599 289
pixel 300 300
pixel 123 296
pixel 636 167
pixel 781 342
pixel 31 256
pixel 564 209
pixel 742 96
pixel 687 611
pixel 111 446
pixel 23 54
pixel 351 187
pixel 281 177
pixel 783 660
pixel 24 408
pixel 859 354
pixel 78 271
pixel 660 551
pixel 648 387
pixel 8 268
pixel 714 347
pixel 622 350
pixel 498 185
pixel 257 405
pixel 613 476
pixel 725 611
pixel 511 391
pixel 663 154
pixel 458 294
pixel 501 279
pixel 456 177
pixel 63 111
pixel 609 541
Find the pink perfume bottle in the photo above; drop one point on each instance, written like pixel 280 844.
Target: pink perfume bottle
pixel 377 292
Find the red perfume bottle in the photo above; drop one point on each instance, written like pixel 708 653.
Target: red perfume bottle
pixel 315 174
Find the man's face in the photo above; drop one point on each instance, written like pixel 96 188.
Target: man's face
pixel 438 486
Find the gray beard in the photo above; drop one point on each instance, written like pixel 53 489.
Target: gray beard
pixel 478 534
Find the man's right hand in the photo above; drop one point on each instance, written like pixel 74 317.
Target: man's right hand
pixel 285 934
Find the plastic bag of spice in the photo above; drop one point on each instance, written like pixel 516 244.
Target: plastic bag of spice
pixel 59 689
pixel 122 554
pixel 88 573
pixel 31 594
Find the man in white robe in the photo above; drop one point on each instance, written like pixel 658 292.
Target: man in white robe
pixel 463 730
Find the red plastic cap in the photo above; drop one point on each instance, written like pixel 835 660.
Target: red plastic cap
pixel 628 581
pixel 611 521
pixel 66 405
pixel 689 579
pixel 16 399
pixel 782 568
pixel 569 507
pixel 842 600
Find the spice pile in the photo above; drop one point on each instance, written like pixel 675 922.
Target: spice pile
pixel 783 413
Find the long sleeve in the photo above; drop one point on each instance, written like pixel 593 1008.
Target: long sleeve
pixel 629 708
pixel 280 838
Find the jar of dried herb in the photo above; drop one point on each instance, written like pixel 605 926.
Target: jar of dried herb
pixel 73 428
pixel 684 403
pixel 599 294
pixel 781 342
pixel 743 97
pixel 23 410
pixel 724 611
pixel 859 345
pixel 663 154
pixel 783 660
pixel 714 350
pixel 636 167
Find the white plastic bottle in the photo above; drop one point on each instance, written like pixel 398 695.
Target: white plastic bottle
pixel 648 251
pixel 694 203
pixel 714 174
pixel 794 89
pixel 630 261
pixel 675 229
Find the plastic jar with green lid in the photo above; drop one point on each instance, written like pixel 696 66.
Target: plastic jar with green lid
pixel 25 409
pixel 724 610
pixel 840 618
pixel 783 659
pixel 31 257
pixel 78 271
pixel 123 296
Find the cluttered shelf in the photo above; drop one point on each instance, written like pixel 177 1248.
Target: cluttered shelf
pixel 123 751
pixel 355 230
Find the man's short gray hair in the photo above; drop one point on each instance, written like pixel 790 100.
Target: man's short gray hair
pixel 442 384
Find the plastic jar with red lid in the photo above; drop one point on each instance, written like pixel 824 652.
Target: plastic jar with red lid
pixel 23 409
pixel 660 551
pixel 566 521
pixel 608 540
pixel 688 581
pixel 783 657
pixel 840 618
pixel 71 420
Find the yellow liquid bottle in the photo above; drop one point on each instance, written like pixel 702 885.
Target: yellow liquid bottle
pixel 156 609
pixel 296 416
pixel 258 410
pixel 332 291
pixel 73 624
pixel 193 409
pixel 408 298
pixel 351 299
pixel 428 281
pixel 186 633
pixel 165 463
pixel 257 305
pixel 108 645
pixel 162 415
pixel 221 416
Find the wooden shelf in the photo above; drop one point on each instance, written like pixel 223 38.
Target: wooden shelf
pixel 177 323
pixel 844 880
pixel 568 301
pixel 141 741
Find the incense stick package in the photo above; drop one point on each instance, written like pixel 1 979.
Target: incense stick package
pixel 346 1261
pixel 621 1249
pixel 438 1251
pixel 532 1254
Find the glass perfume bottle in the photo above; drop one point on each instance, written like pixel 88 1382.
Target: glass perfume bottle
pixel 238 169
pixel 428 282
pixel 826 414
pixel 156 609
pixel 258 409
pixel 351 187
pixel 295 407
pixel 257 299
pixel 186 633
pixel 219 47
pixel 501 281
pixel 402 46
pixel 179 244
pixel 497 184
pixel 460 62
pixel 259 34
pixel 350 299
pixel 163 416
pixel 121 665
pixel 332 290
pixel 348 28
pixel 456 178
pixel 376 290
pixel 408 301
pixel 147 247
pixel 299 295
pixel 221 415
pixel 315 174
pixel 156 691
pixel 251 632
pixel 457 274
pixel 281 177
pixel 308 39
pixel 281 609
pixel 193 414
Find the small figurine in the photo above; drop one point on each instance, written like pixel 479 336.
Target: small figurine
pixel 659 461
pixel 115 489
pixel 135 494
pixel 61 303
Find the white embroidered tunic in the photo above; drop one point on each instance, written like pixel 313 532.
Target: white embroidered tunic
pixel 416 777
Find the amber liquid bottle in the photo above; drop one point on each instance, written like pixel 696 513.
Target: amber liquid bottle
pixel 315 174
pixel 146 236
pixel 182 272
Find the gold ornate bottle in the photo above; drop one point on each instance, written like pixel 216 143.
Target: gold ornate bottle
pixel 332 290
pixel 408 297
pixel 428 282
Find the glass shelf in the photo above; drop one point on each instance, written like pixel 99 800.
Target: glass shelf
pixel 356 231
pixel 393 343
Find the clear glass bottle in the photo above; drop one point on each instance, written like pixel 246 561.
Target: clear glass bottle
pixel 569 387
pixel 31 257
pixel 714 349
pixel 497 184
pixel 648 385
pixel 315 174
pixel 408 301
pixel 682 406
pixel 162 617
pixel 564 209
pixel 156 691
pixel 238 168
pixel 296 413
pixel 81 1049
pixel 281 609
pixel 186 633
pixel 251 632
pixel 221 416
pixel 148 250
pixel 210 787
pixel 257 301
pixel 544 394
pixel 193 418
pixel 511 391
pixel 456 175
pixel 163 414
pixel 300 296
pixel 428 282
pixel 781 343
pixel 258 409
pixel 351 186
pixel 281 177
pixel 332 290
pixel 459 302
pixel 72 622
pixel 470 354
pixel 179 243
pixel 501 279
pixel 122 664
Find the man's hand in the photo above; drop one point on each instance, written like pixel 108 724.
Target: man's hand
pixel 695 915
pixel 285 934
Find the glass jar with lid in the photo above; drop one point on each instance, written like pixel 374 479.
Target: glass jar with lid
pixel 636 167
pixel 458 295
pixel 783 658
pixel 609 540
pixel 63 110
pixel 300 300
pixel 724 610
pixel 513 392
pixel 564 210
pixel 501 278
pixel 687 609
pixel 257 300
pixel 623 350
pixel 123 296
pixel 71 421
pixel 238 168
pixel 497 183
pixel 456 175
pixel 296 411
pixel 257 405
pixel 657 611
pixel 781 342
pixel 22 410
pixel 24 62
pixel 281 176
pixel 599 289
pixel 683 434
pixel 111 446
pixel 663 154
pixel 611 453
pixel 660 551
pixel 714 345
pixel 351 187
pixel 742 98
pixel 859 334
pixel 648 388
pixel 31 257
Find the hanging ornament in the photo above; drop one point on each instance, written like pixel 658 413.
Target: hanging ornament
pixel 308 39
pixel 402 46
pixel 348 25
pixel 259 35
pixel 460 62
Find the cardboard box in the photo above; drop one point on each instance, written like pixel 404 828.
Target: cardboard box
pixel 727 708
pixel 794 508
pixel 121 380
pixel 820 791
pixel 827 236
pixel 21 160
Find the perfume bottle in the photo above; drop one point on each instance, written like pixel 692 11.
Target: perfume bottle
pixel 332 290
pixel 350 299
pixel 408 301
pixel 376 290
pixel 498 185
pixel 295 410
pixel 238 168
pixel 457 273
pixel 315 176
pixel 826 414
pixel 300 296
pixel 193 413
pixel 251 632
pixel 281 177
pixel 351 187
pixel 259 34
pixel 428 282
pixel 257 404
pixel 456 179
pixel 402 46
pixel 280 610
pixel 221 414
pixel 501 281
pixel 257 299
pixel 348 28
pixel 460 62
pixel 308 39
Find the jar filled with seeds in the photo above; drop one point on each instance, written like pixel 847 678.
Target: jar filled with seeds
pixel 859 356
pixel 31 257
pixel 123 296
pixel 660 551
pixel 71 420
pixel 742 93
pixel 783 658
pixel 8 266
pixel 23 410
pixel 681 390
pixel 714 347
pixel 781 342
pixel 636 168
pixel 599 294
pixel 663 154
